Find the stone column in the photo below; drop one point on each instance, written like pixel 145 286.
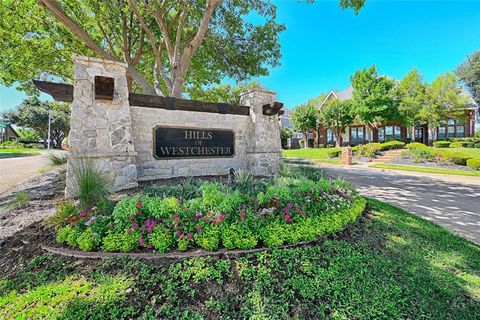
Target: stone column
pixel 101 129
pixel 264 150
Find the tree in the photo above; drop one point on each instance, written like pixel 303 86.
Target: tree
pixel 443 100
pixel 469 74
pixel 33 113
pixel 25 134
pixel 169 46
pixel 337 115
pixel 410 96
pixel 224 93
pixel 304 119
pixel 373 97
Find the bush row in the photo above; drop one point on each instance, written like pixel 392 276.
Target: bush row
pixel 420 152
pixel 456 144
pixel 372 149
pixel 288 210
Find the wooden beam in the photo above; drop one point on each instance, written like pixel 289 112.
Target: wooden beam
pixel 169 103
pixel 64 92
pixel 58 91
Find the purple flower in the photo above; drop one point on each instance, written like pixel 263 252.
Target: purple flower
pixel 134 225
pixel 141 241
pixel 89 222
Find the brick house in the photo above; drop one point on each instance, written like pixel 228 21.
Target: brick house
pixel 360 133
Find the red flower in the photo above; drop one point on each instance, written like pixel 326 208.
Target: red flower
pixel 243 215
pixel 189 236
pixel 287 218
pixel 83 215
pixel 139 204
pixel 221 217
pixel 199 227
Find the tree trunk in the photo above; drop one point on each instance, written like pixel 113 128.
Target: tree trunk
pixel 305 139
pixel 338 138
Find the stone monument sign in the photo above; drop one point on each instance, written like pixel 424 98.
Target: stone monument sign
pixel 136 137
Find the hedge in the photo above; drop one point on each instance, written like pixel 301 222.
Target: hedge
pixel 441 144
pixel 461 144
pixel 474 163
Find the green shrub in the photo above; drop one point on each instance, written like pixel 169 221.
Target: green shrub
pixel 183 244
pixel 420 152
pixel 87 240
pixel 273 235
pixel 453 157
pixel 90 185
pixel 122 242
pixel 211 194
pixel 392 145
pixel 334 153
pixel 474 163
pixel 161 239
pixel 237 236
pixel 64 233
pixel 477 145
pixel 63 210
pixel 460 144
pixel 209 239
pixel 441 144
pixel 369 150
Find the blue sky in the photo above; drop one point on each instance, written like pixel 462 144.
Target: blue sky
pixel 323 45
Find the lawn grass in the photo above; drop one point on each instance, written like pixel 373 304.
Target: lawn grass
pixel 17 152
pixel 309 153
pixel 391 265
pixel 426 169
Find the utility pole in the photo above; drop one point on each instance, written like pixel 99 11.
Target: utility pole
pixel 49 122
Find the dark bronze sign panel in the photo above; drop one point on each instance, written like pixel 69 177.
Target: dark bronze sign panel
pixel 174 142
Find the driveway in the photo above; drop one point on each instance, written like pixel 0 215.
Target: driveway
pixel 450 201
pixel 14 171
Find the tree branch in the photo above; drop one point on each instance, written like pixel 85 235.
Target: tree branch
pixel 60 14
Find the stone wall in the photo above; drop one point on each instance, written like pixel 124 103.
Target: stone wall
pixel 118 138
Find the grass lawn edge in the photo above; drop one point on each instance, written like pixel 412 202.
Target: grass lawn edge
pixel 425 169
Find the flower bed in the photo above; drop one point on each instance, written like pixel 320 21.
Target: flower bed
pixel 248 214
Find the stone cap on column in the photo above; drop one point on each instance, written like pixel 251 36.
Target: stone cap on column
pixel 258 90
pixel 79 58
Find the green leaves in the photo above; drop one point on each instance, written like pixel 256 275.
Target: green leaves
pixel 373 97
pixel 469 73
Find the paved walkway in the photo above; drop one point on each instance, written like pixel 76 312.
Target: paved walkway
pixel 14 171
pixel 448 200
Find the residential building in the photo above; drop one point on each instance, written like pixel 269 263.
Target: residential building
pixel 7 132
pixel 360 133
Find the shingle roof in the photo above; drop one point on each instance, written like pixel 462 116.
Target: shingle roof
pixel 346 94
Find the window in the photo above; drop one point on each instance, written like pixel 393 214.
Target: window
pixel 389 133
pixel 451 129
pixel 331 139
pixel 357 135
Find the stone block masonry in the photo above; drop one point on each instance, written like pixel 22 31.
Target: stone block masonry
pixel 119 138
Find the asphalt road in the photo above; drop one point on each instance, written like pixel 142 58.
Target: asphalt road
pixel 14 171
pixel 450 201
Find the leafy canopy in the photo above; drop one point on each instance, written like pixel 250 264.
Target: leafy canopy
pixel 33 114
pixel 304 117
pixel 469 74
pixel 373 97
pixel 444 100
pixel 167 44
pixel 337 115
pixel 410 96
pixel 224 92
